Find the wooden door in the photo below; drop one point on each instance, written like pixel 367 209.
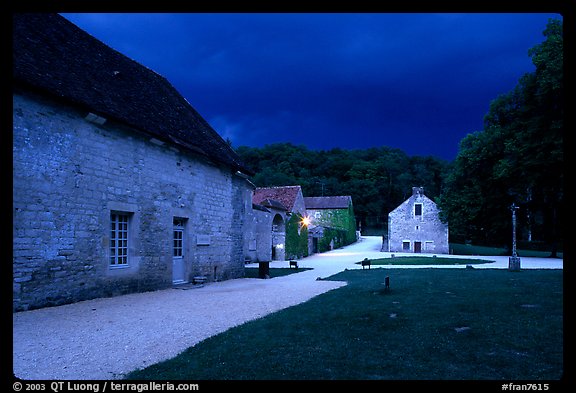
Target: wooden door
pixel 417 246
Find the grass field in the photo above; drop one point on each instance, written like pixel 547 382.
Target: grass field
pixel 465 249
pixel 252 272
pixel 462 324
pixel 426 261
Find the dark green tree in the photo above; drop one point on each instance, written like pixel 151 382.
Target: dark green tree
pixel 517 158
pixel 378 178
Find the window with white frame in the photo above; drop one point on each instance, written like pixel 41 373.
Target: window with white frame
pixel 418 209
pixel 119 239
pixel 178 237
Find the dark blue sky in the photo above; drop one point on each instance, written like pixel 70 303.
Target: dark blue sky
pixel 418 82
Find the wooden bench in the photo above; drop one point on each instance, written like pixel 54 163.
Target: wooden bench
pixel 366 262
pixel 294 264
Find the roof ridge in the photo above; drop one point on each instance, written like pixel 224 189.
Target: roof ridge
pixel 271 187
pixel 53 55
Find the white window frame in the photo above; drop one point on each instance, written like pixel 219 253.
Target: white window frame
pixel 421 210
pixel 409 245
pixel 179 225
pixel 119 239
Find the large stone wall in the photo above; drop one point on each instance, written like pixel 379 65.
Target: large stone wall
pixel 265 229
pixel 70 174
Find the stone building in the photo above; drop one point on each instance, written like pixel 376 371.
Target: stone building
pixel 273 209
pixel 290 197
pixel 415 226
pixel 266 231
pixel 119 185
pixel 333 223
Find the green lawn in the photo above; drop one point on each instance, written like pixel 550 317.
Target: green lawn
pixel 468 249
pixel 463 324
pixel 426 261
pixel 252 272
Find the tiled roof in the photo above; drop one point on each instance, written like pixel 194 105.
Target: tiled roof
pixel 285 195
pixel 329 202
pixel 52 55
pixel 273 204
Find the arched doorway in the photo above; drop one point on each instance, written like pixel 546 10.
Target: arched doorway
pixel 278 238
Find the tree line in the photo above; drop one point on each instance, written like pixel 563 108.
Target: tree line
pixel 378 178
pixel 516 158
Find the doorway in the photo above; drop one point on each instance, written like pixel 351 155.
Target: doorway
pixel 314 245
pixel 418 247
pixel 278 238
pixel 178 251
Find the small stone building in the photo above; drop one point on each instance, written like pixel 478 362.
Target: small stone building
pixel 415 226
pixel 266 231
pixel 274 207
pixel 333 223
pixel 119 185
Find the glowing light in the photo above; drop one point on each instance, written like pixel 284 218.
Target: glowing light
pixel 305 221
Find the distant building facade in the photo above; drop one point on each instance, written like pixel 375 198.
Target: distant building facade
pixel 273 209
pixel 265 231
pixel 415 226
pixel 119 185
pixel 333 223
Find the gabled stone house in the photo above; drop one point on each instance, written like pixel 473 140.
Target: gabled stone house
pixel 119 185
pixel 415 226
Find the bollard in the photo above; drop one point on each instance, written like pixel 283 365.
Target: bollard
pixel 264 270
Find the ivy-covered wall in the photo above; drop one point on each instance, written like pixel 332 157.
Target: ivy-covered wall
pixel 331 238
pixel 296 238
pixel 340 223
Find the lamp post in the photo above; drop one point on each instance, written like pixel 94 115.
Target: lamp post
pixel 514 260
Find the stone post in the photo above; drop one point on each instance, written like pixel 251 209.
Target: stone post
pixel 514 260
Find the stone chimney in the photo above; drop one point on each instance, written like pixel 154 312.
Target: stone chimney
pixel 417 191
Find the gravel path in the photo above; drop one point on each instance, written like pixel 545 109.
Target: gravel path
pixel 106 338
